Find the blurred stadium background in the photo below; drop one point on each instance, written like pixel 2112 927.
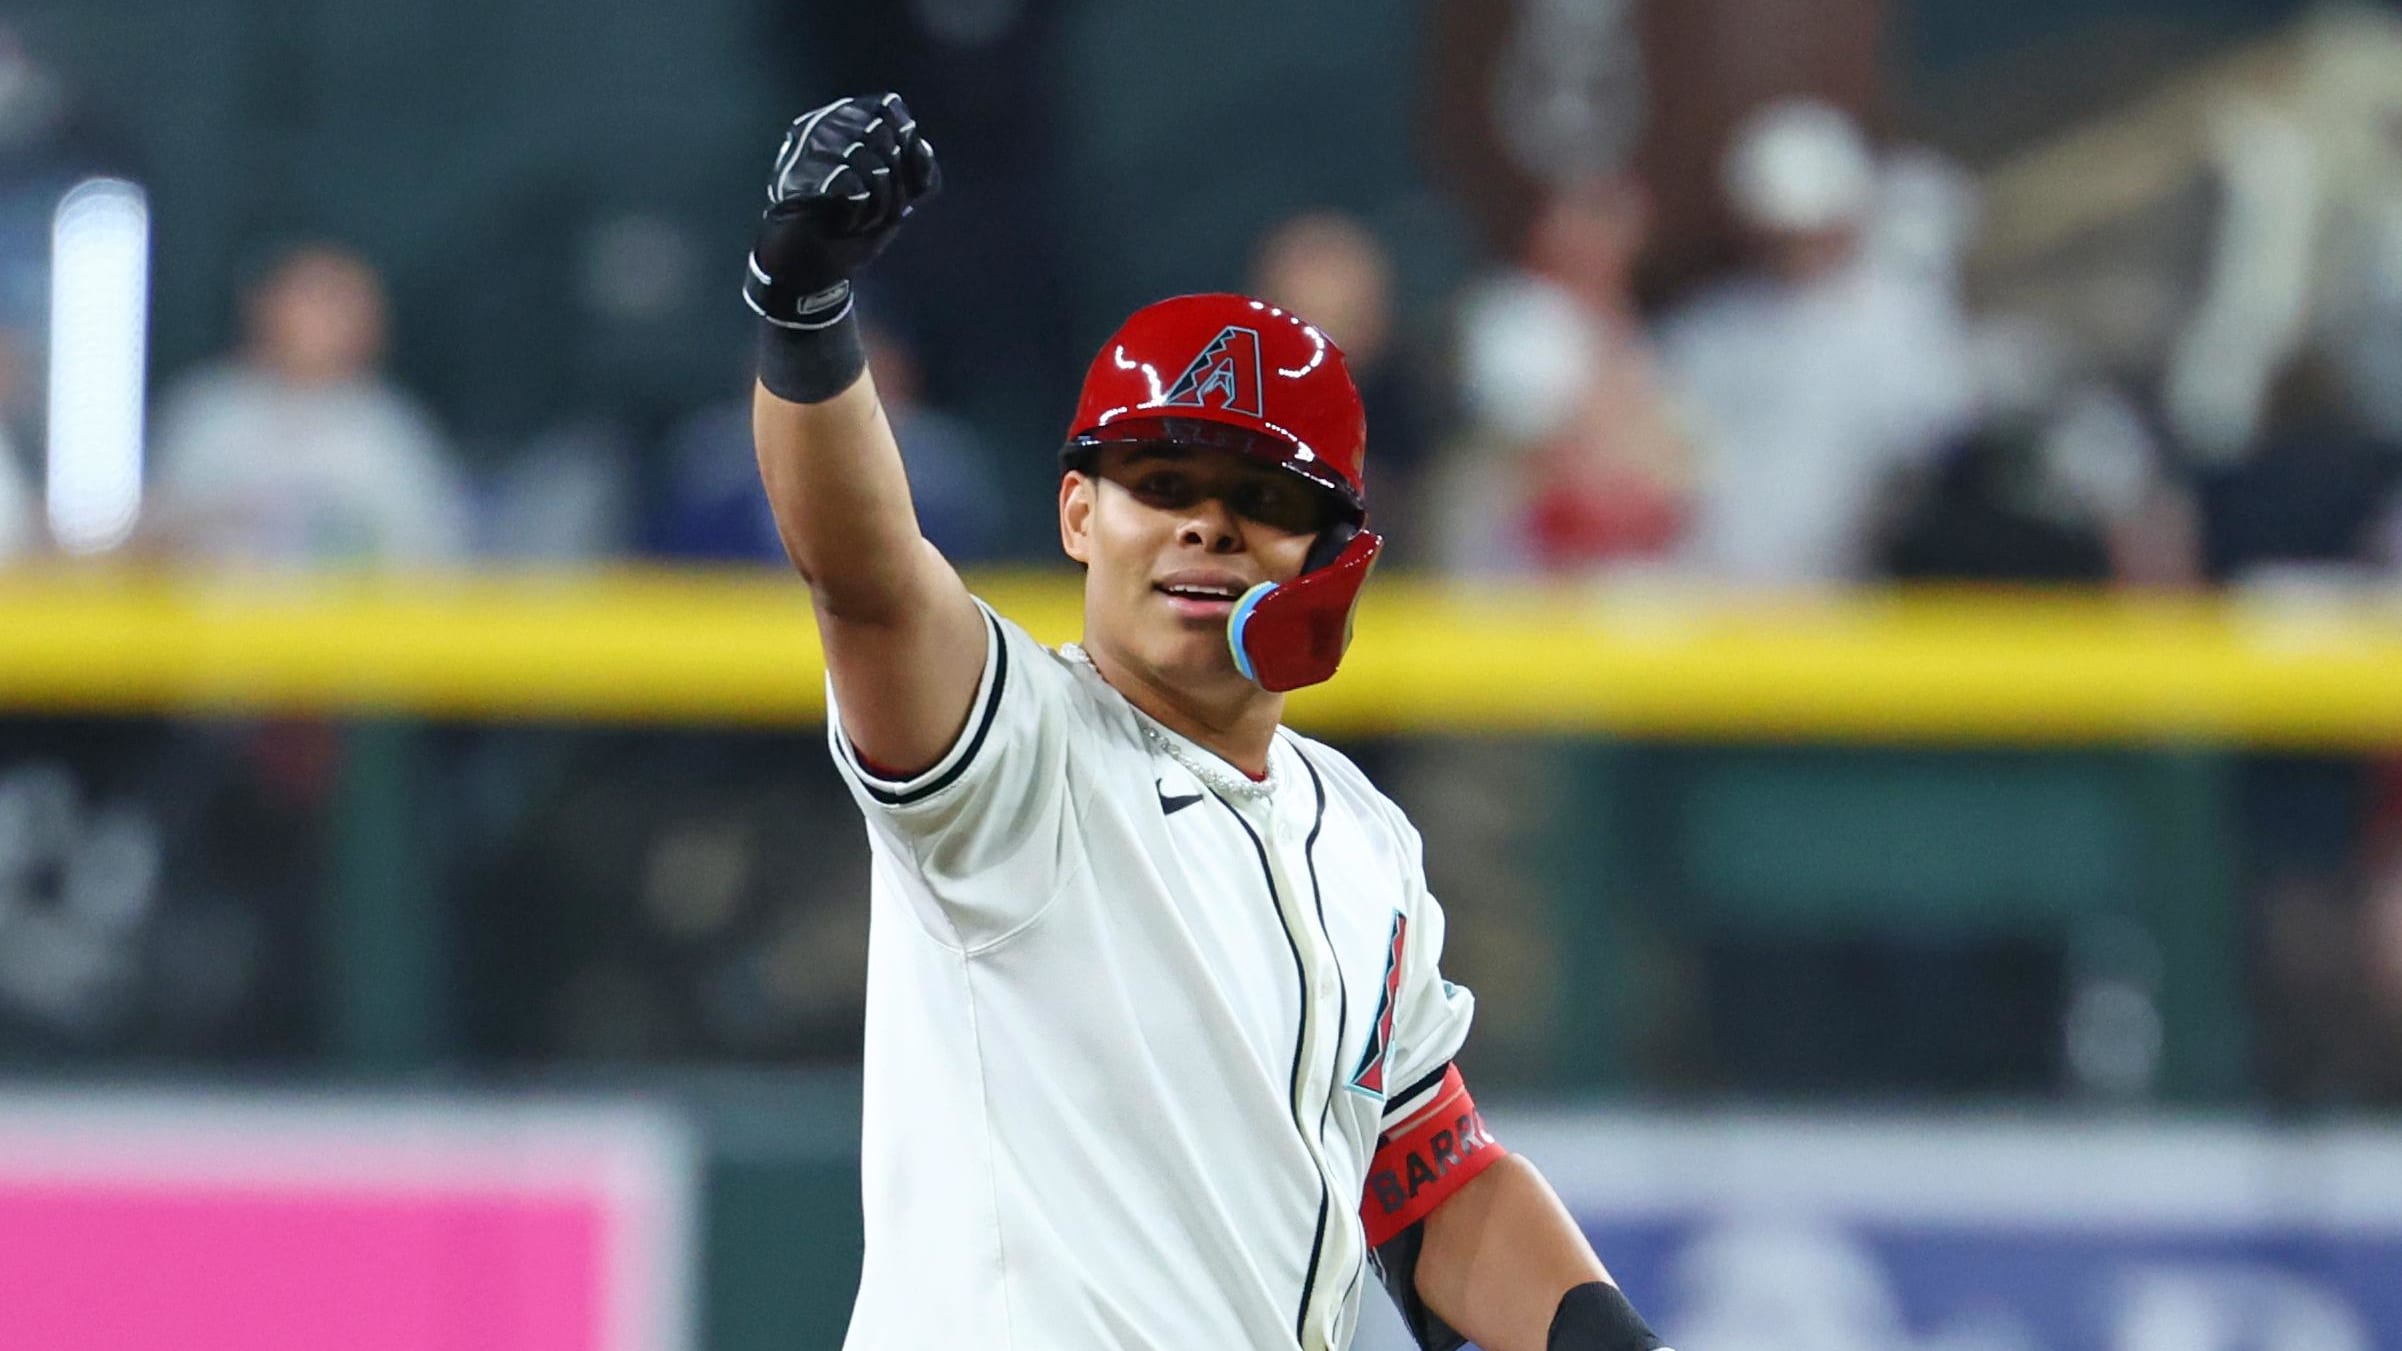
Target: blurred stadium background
pixel 1895 633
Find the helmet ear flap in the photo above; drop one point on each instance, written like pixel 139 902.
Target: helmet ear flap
pixel 1285 637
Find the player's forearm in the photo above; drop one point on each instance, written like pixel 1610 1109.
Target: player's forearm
pixel 1498 1256
pixel 841 499
pixel 844 178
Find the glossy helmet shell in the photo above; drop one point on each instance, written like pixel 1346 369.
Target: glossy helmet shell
pixel 1229 371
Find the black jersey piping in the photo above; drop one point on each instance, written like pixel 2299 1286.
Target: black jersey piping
pixel 984 721
pixel 1300 1046
pixel 1342 1021
pixel 1401 1100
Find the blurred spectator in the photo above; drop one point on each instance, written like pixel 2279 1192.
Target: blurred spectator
pixel 715 512
pixel 2060 480
pixel 1613 484
pixel 1331 270
pixel 2313 492
pixel 1525 358
pixel 297 452
pixel 1574 458
pixel 1983 519
pixel 1841 358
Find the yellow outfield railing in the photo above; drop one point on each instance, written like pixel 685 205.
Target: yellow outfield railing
pixel 737 648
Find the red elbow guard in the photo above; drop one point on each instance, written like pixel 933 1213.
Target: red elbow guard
pixel 1424 1158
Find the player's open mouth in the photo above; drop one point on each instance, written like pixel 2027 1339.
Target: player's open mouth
pixel 1201 598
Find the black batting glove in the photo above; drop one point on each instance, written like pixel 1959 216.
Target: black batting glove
pixel 847 175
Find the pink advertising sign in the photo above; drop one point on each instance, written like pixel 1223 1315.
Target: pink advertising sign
pixel 147 1222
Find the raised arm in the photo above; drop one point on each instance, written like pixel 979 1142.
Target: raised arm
pixel 902 639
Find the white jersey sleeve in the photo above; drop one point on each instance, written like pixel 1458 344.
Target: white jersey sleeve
pixel 1431 1017
pixel 988 829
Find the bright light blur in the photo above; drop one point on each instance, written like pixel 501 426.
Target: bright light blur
pixel 100 307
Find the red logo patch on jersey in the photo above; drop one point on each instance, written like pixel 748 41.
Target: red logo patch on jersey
pixel 1369 1077
pixel 1226 374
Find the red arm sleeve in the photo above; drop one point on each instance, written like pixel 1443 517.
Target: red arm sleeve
pixel 1434 1142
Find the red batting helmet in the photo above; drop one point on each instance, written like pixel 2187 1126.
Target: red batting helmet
pixel 1242 375
pixel 1230 362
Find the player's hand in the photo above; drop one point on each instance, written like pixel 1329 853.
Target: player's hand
pixel 847 174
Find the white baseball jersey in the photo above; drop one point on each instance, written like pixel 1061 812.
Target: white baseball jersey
pixel 1133 1026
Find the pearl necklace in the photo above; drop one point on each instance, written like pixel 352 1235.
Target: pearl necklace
pixel 1227 785
pixel 1172 745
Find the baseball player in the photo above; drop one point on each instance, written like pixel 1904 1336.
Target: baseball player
pixel 1158 1051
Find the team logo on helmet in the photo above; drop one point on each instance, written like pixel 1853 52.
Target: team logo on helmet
pixel 1225 374
pixel 1369 1077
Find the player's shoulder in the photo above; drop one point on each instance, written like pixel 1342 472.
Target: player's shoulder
pixel 1023 646
pixel 1058 676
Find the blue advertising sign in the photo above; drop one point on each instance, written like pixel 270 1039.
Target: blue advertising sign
pixel 1820 1233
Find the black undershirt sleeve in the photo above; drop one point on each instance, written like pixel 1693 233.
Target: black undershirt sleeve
pixel 1397 1266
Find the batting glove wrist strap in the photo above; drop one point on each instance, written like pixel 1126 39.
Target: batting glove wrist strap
pixel 1596 1317
pixel 812 365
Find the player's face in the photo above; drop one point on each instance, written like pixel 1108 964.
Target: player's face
pixel 1172 536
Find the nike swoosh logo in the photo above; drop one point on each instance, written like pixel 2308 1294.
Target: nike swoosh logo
pixel 1169 806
